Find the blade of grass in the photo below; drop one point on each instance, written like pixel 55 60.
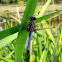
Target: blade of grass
pixel 7 40
pixel 40 49
pixel 18 15
pixel 8 32
pixel 60 43
pixel 44 8
pixel 8 56
pixel 46 16
pixel 43 57
pixel 9 60
pixel 22 36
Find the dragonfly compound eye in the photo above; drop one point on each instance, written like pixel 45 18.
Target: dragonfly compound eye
pixel 33 17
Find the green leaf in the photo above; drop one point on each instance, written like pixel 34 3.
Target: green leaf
pixel 46 16
pixel 40 48
pixel 22 36
pixel 7 40
pixel 44 8
pixel 8 32
pixel 43 57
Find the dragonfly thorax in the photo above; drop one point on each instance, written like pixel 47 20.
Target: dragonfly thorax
pixel 32 26
pixel 32 23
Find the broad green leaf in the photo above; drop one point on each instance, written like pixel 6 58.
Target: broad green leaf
pixel 22 36
pixel 8 32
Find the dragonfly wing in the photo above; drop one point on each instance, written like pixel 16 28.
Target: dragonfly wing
pixel 44 28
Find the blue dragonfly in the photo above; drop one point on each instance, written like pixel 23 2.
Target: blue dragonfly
pixel 31 28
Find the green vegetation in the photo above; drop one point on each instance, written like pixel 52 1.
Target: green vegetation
pixel 45 44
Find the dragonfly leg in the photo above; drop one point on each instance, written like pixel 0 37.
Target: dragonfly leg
pixel 28 29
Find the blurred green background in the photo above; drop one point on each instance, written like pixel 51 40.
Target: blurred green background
pixel 24 1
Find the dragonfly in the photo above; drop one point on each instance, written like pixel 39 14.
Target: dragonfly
pixel 30 30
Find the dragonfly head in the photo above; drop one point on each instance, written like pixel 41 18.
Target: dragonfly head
pixel 33 17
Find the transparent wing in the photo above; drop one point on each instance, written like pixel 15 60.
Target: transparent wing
pixel 50 27
pixel 44 28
